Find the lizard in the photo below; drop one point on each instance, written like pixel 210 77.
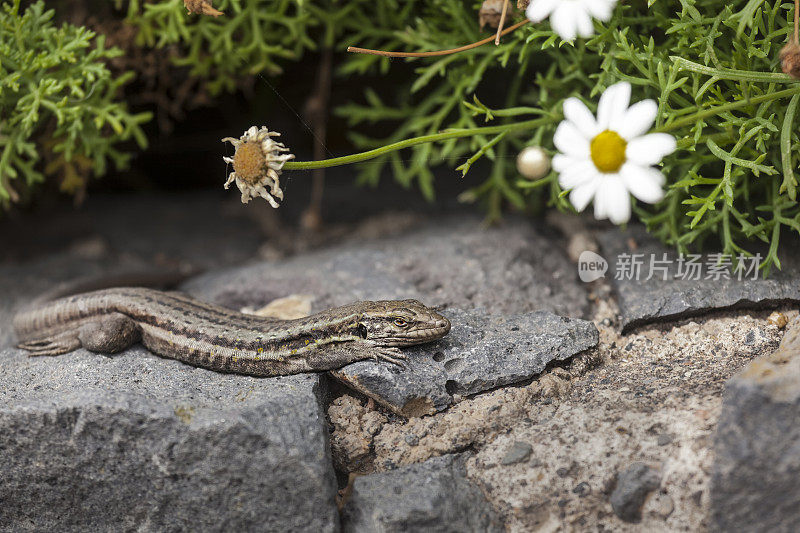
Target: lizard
pixel 177 326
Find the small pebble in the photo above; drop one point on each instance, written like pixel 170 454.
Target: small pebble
pixel 664 439
pixel 778 319
pixel 633 485
pixel 411 439
pixel 582 489
pixel 661 505
pixel 519 451
pixel 578 243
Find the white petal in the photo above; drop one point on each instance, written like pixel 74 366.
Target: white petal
pixel 563 21
pixel 562 162
pixel 582 195
pixel 638 119
pixel 576 112
pixel 612 200
pixel 643 182
pixel 569 140
pixel 650 149
pixel 578 173
pixel 538 10
pixel 600 9
pixel 583 22
pixel 613 104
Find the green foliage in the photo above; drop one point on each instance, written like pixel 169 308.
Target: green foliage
pixel 259 36
pixel 711 65
pixel 57 101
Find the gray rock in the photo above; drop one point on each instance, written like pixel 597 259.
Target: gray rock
pixel 519 451
pixel 481 352
pixel 646 301
pixel 633 486
pixel 755 484
pixel 204 229
pixel 453 262
pixel 433 496
pixel 137 442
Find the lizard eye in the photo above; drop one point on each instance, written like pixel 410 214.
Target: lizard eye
pixel 362 331
pixel 400 322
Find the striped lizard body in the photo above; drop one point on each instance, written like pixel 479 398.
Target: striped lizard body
pixel 177 326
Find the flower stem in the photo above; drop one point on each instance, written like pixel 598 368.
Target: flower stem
pixel 357 50
pixel 449 134
pixel 711 111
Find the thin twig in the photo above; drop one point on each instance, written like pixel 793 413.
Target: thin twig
pixel 502 23
pixel 438 52
pixel 317 114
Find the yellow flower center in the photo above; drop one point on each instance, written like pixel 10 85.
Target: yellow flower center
pixel 248 161
pixel 608 151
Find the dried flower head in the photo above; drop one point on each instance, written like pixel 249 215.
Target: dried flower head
pixel 257 164
pixel 201 7
pixel 490 13
pixel 790 60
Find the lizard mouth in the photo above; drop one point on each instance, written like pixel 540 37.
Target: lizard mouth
pixel 420 336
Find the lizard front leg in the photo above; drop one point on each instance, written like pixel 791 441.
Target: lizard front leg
pixel 336 355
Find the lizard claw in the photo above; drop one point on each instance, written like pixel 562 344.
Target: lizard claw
pixel 391 355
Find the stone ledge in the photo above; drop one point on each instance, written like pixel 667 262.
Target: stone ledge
pixel 138 442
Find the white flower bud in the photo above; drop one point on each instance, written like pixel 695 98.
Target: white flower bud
pixel 533 163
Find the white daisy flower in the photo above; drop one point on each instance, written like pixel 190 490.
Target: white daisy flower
pixel 611 156
pixel 257 164
pixel 570 18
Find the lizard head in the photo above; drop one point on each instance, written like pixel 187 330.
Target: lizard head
pixel 401 323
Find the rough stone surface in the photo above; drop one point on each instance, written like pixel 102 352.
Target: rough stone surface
pixel 586 421
pixel 481 352
pixel 161 228
pixel 136 442
pixel 433 496
pixel 646 301
pixel 633 485
pixel 756 477
pixel 451 261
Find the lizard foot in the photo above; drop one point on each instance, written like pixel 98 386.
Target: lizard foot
pixel 391 355
pixel 51 345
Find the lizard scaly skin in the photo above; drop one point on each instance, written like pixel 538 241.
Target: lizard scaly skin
pixel 180 327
